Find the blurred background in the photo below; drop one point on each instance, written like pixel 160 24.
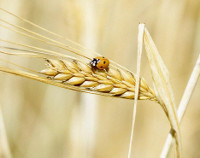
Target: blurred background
pixel 44 121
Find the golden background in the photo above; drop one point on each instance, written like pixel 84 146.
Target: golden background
pixel 44 121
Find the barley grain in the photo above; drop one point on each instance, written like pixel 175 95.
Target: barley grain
pixel 114 82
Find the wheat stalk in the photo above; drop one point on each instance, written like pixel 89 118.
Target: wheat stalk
pixel 74 74
pixel 163 87
pixel 71 73
pixel 114 82
pixel 137 84
pixel 183 106
pixel 118 81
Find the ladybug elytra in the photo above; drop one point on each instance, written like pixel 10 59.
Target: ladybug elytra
pixel 100 63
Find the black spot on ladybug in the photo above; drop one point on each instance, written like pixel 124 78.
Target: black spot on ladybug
pixel 104 62
pixel 101 66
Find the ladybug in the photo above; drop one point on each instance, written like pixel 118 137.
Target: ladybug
pixel 100 63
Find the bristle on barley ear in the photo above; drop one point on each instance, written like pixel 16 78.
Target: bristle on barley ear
pixel 114 82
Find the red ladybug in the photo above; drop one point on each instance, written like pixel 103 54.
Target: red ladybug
pixel 100 63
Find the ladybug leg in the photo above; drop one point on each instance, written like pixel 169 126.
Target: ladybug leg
pixel 107 69
pixel 93 69
pixel 49 77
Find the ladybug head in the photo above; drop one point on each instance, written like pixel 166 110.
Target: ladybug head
pixel 94 62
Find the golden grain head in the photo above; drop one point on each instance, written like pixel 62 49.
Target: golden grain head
pixel 114 82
